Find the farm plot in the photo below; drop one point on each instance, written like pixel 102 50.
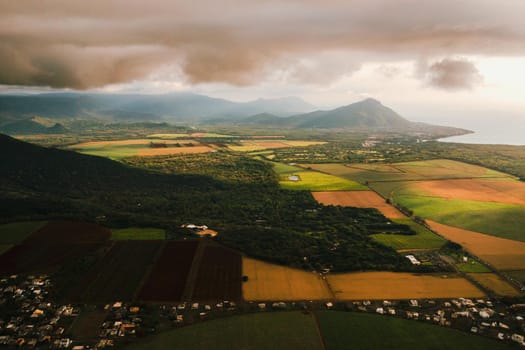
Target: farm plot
pixel 314 181
pixel 139 147
pixel 503 254
pixel 349 330
pixel 275 330
pixel 138 233
pixel 218 275
pixel 274 282
pixel 409 171
pixel 469 208
pixel 16 232
pixel 495 283
pixel 257 145
pixel 54 244
pixel 423 239
pixel 359 199
pixel 394 285
pixel 118 275
pixel 167 279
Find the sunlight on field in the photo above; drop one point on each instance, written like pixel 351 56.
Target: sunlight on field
pixel 495 283
pixel 396 285
pixel 274 282
pixel 503 254
pixel 423 239
pixel 256 145
pixel 314 181
pixel 359 199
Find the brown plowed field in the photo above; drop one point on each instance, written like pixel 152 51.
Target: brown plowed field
pixel 503 254
pixel 396 285
pixel 512 192
pixel 274 282
pixel 172 150
pixel 219 275
pixel 359 199
pixel 168 277
pixel 495 283
pixel 57 243
pixel 117 276
pixel 69 232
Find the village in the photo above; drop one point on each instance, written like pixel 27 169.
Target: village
pixel 30 319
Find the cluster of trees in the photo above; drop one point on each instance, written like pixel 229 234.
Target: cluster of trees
pixel 233 194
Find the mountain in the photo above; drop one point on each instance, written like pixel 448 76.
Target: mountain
pixel 366 115
pixel 31 126
pixel 172 107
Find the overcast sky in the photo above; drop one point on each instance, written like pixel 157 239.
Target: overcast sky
pixel 430 60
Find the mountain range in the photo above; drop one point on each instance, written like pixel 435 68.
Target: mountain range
pixel 25 114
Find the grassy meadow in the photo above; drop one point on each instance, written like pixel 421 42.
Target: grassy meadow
pixel 276 330
pixel 346 330
pixel 16 232
pixel 138 233
pixel 423 239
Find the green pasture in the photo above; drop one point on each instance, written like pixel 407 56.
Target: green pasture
pixel 16 232
pixel 314 181
pixel 424 238
pixel 275 330
pixel 497 219
pixel 138 233
pixel 348 330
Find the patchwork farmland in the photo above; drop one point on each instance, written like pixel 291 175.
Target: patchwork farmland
pixel 394 285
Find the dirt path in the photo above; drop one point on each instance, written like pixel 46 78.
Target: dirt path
pixel 318 327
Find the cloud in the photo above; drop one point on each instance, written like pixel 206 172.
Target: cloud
pixel 86 44
pixel 451 74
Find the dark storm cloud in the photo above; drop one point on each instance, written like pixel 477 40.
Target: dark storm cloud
pixel 453 74
pixel 83 44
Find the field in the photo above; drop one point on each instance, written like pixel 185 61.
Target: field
pixel 276 330
pixel 314 181
pixel 503 254
pixel 16 232
pixel 218 275
pixel 485 212
pixel 54 244
pixel 409 171
pixel 495 283
pixel 423 239
pixel 167 279
pixel 359 199
pixel 348 330
pixel 118 275
pixel 392 285
pixel 257 145
pixel 273 282
pixel 139 147
pixel 138 233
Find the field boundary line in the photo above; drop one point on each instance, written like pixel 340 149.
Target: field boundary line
pixel 191 280
pixel 318 327
pixel 147 273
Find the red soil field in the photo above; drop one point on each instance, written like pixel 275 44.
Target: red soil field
pixel 118 275
pixel 219 275
pixel 359 199
pixel 69 232
pixel 167 279
pixel 57 243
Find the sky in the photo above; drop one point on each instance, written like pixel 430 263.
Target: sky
pixel 450 61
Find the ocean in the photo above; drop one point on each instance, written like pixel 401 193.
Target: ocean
pixel 492 134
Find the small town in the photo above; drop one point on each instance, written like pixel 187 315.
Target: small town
pixel 32 320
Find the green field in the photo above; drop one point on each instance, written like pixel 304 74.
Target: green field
pixel 346 330
pixel 314 181
pixel 409 171
pixel 497 219
pixel 16 232
pixel 281 168
pixel 472 266
pixel 276 330
pixel 138 233
pixel 424 239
